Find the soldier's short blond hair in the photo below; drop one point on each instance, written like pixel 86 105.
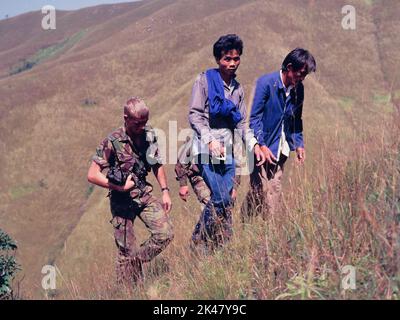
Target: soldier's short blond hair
pixel 137 107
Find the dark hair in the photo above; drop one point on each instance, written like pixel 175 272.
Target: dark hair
pixel 298 58
pixel 226 43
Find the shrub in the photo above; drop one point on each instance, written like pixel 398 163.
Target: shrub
pixel 8 265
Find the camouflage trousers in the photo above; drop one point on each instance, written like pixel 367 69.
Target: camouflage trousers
pixel 200 189
pixel 265 195
pixel 203 194
pixel 131 256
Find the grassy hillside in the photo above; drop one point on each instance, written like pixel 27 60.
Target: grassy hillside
pixel 22 36
pixel 340 208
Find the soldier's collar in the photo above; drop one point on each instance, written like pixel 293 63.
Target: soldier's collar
pixel 126 138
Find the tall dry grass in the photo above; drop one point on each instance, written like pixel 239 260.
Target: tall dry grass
pixel 343 211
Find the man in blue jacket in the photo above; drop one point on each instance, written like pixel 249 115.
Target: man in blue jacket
pixel 278 127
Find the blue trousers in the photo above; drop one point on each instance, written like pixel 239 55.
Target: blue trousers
pixel 216 218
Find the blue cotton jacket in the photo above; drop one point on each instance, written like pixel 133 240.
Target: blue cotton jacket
pixel 268 113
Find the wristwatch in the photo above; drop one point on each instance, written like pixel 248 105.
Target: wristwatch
pixel 163 189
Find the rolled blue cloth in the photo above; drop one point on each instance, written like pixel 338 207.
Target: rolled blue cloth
pixel 219 105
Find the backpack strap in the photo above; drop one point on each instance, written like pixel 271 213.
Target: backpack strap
pixel 116 147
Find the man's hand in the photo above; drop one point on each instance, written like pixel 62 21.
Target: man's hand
pixel 234 195
pixel 96 177
pixel 300 155
pixel 184 192
pixel 162 181
pixel 269 156
pixel 166 201
pixel 129 184
pixel 216 149
pixel 260 157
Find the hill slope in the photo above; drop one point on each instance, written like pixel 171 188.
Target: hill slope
pixel 54 115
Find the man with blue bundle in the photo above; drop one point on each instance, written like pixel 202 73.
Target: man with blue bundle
pixel 217 110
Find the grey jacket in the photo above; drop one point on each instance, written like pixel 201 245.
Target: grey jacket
pixel 199 117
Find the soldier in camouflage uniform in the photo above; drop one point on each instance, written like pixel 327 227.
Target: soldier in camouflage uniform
pixel 185 170
pixel 129 153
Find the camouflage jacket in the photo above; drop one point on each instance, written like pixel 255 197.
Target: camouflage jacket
pixel 185 171
pixel 119 150
pixel 185 168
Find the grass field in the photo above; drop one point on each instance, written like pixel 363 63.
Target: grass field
pixel 341 208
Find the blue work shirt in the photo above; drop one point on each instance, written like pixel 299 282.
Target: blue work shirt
pixel 271 109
